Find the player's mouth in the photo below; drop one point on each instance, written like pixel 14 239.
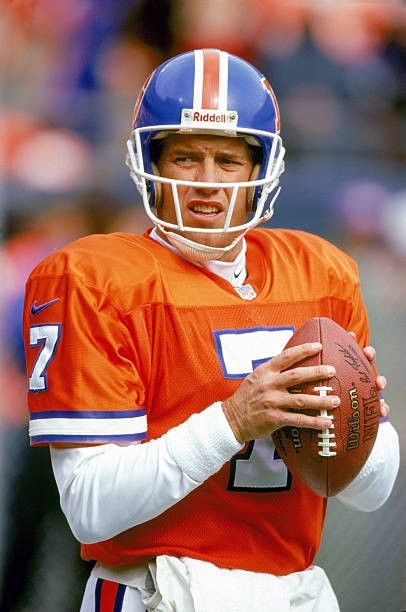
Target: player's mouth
pixel 205 210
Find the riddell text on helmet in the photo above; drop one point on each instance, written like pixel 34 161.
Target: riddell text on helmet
pixel 209 117
pixel 192 116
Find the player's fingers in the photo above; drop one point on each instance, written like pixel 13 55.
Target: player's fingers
pixel 298 419
pixel 300 401
pixel 380 382
pixel 300 375
pixel 370 353
pixel 385 409
pixel 288 357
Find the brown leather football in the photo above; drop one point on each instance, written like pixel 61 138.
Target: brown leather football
pixel 327 461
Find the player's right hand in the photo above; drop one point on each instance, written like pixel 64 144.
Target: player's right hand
pixel 262 403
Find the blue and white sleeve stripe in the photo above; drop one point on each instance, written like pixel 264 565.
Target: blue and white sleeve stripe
pixel 88 426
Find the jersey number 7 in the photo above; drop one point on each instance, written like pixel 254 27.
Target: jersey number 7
pixel 47 337
pixel 258 468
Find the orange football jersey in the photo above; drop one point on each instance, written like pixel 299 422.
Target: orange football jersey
pixel 125 340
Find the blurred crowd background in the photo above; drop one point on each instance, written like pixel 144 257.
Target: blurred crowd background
pixel 69 76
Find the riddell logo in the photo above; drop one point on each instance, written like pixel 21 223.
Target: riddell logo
pixel 209 117
pixel 192 117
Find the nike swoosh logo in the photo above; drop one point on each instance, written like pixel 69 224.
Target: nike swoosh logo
pixel 37 308
pixel 236 275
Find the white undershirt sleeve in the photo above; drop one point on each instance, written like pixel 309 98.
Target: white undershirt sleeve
pixel 373 485
pixel 107 489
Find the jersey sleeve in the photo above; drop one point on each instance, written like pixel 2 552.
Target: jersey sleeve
pixel 349 309
pixel 84 385
pixel 359 323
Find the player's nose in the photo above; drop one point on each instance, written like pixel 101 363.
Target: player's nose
pixel 207 172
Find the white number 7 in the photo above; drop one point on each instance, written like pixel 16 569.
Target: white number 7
pixel 47 335
pixel 239 351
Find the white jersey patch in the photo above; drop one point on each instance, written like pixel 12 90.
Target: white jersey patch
pixel 246 292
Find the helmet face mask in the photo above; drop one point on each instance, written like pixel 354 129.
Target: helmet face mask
pixel 207 92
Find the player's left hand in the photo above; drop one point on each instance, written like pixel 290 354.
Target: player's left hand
pixel 380 381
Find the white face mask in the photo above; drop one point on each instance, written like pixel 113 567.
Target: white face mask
pixel 194 250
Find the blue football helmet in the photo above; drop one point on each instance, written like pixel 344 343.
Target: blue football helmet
pixel 211 92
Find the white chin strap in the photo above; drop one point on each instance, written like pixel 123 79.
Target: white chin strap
pixel 196 252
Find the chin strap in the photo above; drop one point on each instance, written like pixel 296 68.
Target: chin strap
pixel 195 251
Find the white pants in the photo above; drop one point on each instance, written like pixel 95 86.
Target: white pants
pixel 102 595
pixel 170 584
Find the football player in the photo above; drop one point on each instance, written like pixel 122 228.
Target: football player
pixel 156 367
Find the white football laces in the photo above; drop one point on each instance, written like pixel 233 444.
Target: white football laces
pixel 326 437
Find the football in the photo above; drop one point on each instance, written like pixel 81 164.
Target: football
pixel 327 461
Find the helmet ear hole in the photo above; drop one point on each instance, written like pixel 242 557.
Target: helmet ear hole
pixel 157 187
pixel 251 190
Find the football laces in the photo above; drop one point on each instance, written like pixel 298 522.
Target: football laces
pixel 327 438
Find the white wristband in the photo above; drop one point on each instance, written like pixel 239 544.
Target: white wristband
pixel 203 444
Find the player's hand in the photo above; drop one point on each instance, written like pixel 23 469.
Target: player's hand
pixel 380 381
pixel 262 403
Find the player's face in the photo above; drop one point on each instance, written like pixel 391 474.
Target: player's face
pixel 196 157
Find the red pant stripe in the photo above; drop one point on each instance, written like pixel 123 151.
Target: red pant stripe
pixel 109 596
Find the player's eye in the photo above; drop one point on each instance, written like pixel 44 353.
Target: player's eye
pixel 184 159
pixel 228 162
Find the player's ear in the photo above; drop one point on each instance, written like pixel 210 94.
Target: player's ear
pixel 251 190
pixel 157 187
